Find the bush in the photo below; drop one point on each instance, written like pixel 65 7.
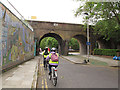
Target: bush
pixel 107 52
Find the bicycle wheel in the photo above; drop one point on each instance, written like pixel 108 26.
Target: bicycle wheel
pixel 50 77
pixel 46 65
pixel 54 79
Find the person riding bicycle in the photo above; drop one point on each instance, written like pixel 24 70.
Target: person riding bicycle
pixel 53 58
pixel 45 54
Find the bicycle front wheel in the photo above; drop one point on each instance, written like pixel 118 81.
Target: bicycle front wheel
pixel 50 77
pixel 55 81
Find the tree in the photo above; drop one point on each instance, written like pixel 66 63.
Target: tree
pixel 52 42
pixel 105 16
pixel 110 29
pixel 49 42
pixel 43 43
pixel 100 10
pixel 74 44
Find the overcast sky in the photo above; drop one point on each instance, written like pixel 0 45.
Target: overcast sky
pixel 48 10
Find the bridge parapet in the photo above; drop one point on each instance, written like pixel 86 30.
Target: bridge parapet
pixel 56 26
pixel 65 30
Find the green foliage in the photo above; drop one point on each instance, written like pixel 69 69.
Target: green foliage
pixel 74 44
pixel 105 16
pixel 43 43
pixel 52 42
pixel 49 42
pixel 98 10
pixel 110 29
pixel 107 52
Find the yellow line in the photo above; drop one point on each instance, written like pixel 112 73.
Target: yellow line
pixel 42 84
pixel 46 84
pixel 42 81
pixel 41 64
pixel 41 70
pixel 42 87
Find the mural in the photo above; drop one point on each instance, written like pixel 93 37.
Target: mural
pixel 16 39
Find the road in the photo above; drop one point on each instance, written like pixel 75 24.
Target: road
pixel 79 76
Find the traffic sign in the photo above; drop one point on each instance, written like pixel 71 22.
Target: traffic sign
pixel 88 43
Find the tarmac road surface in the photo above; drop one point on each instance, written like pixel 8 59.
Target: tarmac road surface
pixel 72 75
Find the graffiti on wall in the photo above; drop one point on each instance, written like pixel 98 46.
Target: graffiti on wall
pixel 16 38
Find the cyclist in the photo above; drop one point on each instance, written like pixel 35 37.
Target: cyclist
pixel 45 54
pixel 51 56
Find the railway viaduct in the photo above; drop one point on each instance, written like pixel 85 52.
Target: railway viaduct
pixel 63 32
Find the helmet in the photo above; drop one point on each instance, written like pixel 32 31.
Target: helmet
pixel 53 49
pixel 46 47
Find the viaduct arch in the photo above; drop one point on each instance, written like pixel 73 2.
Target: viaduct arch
pixel 63 32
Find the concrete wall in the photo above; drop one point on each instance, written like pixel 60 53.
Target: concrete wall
pixel 16 39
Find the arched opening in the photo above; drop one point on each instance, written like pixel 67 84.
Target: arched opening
pixel 82 44
pixel 103 44
pixel 97 45
pixel 48 42
pixel 56 37
pixel 73 46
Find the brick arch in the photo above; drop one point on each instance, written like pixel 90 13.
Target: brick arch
pixel 103 44
pixel 65 30
pixel 58 38
pixel 82 43
pixel 54 35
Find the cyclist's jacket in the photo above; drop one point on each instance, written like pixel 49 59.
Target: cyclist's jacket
pixel 45 54
pixel 50 61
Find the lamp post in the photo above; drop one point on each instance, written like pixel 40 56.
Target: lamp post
pixel 88 42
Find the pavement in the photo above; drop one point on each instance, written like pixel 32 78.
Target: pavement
pixel 93 60
pixel 22 76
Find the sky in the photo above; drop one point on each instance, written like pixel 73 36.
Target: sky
pixel 47 10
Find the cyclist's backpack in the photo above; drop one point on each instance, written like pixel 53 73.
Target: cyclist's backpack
pixel 54 57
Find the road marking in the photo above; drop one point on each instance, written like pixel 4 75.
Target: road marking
pixel 41 64
pixel 42 81
pixel 42 84
pixel 41 69
pixel 43 77
pixel 46 84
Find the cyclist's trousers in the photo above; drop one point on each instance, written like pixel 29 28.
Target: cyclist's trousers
pixel 51 66
pixel 44 61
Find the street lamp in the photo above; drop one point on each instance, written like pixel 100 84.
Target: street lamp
pixel 88 42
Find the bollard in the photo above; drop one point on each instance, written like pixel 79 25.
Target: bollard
pixel 85 61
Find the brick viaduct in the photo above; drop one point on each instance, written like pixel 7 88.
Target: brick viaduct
pixel 63 32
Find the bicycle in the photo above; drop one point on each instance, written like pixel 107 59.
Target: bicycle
pixel 46 64
pixel 53 75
